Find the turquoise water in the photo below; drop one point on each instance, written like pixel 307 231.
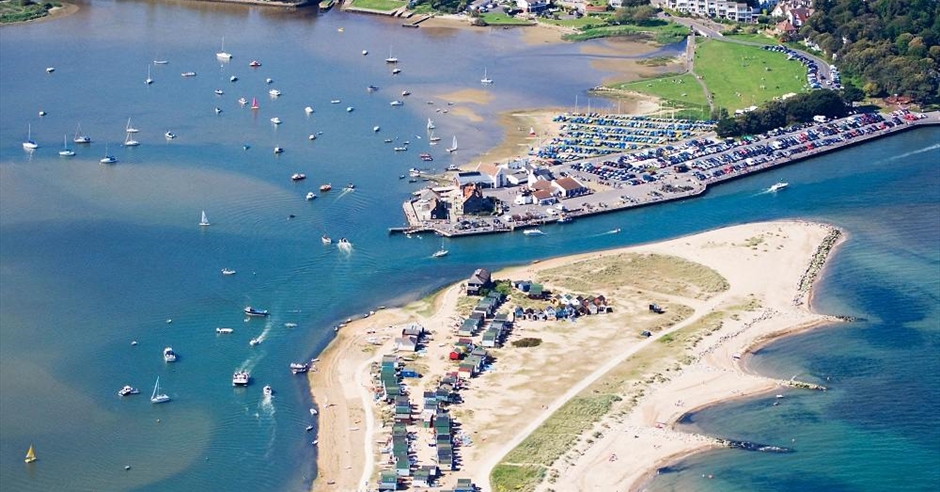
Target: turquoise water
pixel 93 257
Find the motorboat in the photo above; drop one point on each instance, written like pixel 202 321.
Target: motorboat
pixel 169 355
pixel 309 428
pixel 254 64
pixel 396 103
pixel 160 62
pixel 50 69
pixel 128 390
pixel 278 150
pixel 298 177
pixel 426 157
pixel 343 242
pixel 188 74
pixel 308 110
pixel 376 128
pixel 387 140
pixel 365 52
pixel 267 390
pixel 311 137
pixel 169 135
pixel 335 101
pixel 372 88
pixel 299 367
pixel 396 71
pixel 326 239
pixel 405 93
pixel 228 271
pixel 219 92
pixel 218 110
pixel 349 109
pixel 250 311
pixel 254 341
pixel 148 80
pixel 269 80
pixel 439 253
pixel 400 149
pixel 778 186
pixel 233 79
pixel 224 331
pixel 241 378
pixel 533 232
pixel 349 187
pixel 311 195
pixel 274 93
pixel 326 187
pixel 430 124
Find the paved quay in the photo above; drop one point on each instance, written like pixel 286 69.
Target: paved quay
pixel 674 172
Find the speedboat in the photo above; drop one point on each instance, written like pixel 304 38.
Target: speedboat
pixel 326 187
pixel 224 331
pixel 350 187
pixel 274 92
pixel 308 110
pixel 218 110
pixel 311 195
pixel 169 135
pixel 335 101
pixel 426 157
pixel 219 92
pixel 376 128
pixel 396 71
pixel 405 93
pixel 269 80
pixel 400 149
pixel 372 88
pixel 169 355
pixel 365 52
pixel 778 186
pixel 128 390
pixel 276 120
pixel 343 242
pixel 241 378
pixel 396 103
pixel 227 271
pixel 267 390
pixel 326 239
pixel 349 109
pixel 233 79
pixel 298 176
pixel 278 150
pixel 250 311
pixel 254 341
pixel 299 367
pixel 533 232
pixel 188 74
pixel 439 253
pixel 254 63
pixel 50 69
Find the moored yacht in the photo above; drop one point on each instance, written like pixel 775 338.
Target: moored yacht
pixel 250 311
pixel 128 390
pixel 224 331
pixel 299 367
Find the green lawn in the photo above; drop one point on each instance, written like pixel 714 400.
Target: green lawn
pixel 739 76
pixel 664 34
pixel 584 22
pixel 384 5
pixel 501 19
pixel 678 89
pixel 752 38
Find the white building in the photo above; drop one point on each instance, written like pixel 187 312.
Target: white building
pixel 722 9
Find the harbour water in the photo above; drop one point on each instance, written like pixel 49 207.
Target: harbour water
pixel 93 257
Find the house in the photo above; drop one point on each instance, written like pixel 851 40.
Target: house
pixel 569 188
pixel 429 206
pixel 494 174
pixel 785 28
pixel 536 291
pixel 406 344
pixel 478 281
pixel 424 476
pixel 543 197
pixel 413 330
pixel 549 313
pixel 468 328
pixel 464 178
pixel 471 201
pixel 532 6
pixel 539 174
pixel 722 9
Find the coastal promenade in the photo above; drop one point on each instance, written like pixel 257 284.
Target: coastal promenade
pixel 675 172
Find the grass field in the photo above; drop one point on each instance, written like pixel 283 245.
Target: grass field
pixel 752 38
pixel 585 22
pixel 739 76
pixel 682 90
pixel 501 19
pixel 15 12
pixel 383 5
pixel 663 34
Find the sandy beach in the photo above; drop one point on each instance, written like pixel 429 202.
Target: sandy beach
pixel 725 292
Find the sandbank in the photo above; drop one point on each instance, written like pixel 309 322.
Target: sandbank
pixel 658 379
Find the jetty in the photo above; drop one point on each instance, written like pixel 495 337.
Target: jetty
pixel 614 182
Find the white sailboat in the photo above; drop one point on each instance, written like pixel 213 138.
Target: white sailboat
pixel 29 144
pixel 158 397
pixel 108 158
pixel 431 124
pixel 391 59
pixel 205 220
pixel 222 55
pixel 149 80
pixel 486 80
pixel 80 137
pixel 453 146
pixel 441 252
pixel 66 151
pixel 129 141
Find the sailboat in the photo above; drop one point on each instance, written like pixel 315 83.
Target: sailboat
pixel 66 151
pixel 430 124
pixel 453 146
pixel 486 80
pixel 81 137
pixel 254 103
pixel 205 220
pixel 433 139
pixel 30 455
pixel 441 252
pixel 108 158
pixel 129 128
pixel 158 397
pixel 391 59
pixel 130 142
pixel 222 55
pixel 149 80
pixel 29 144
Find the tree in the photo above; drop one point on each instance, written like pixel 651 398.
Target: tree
pixel 851 94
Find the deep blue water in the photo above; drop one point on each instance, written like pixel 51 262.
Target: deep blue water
pixel 93 257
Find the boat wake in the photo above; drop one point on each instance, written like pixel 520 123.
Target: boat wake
pixel 915 152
